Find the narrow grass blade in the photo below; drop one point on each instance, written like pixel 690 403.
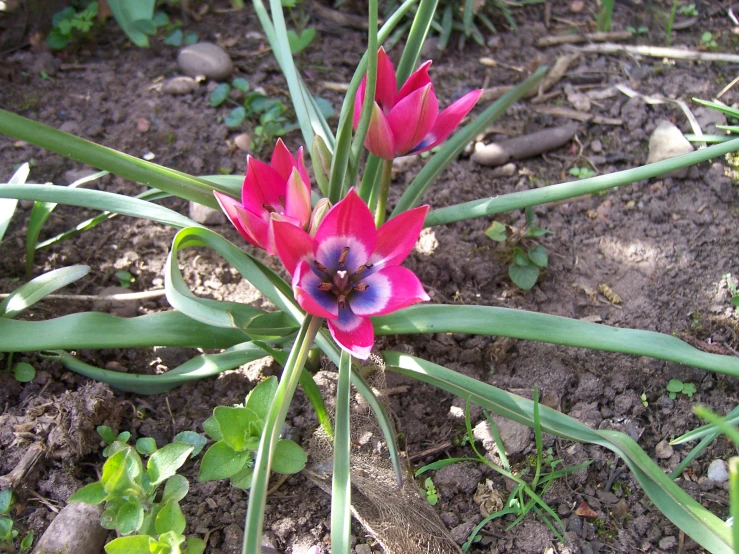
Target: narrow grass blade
pixel 734 497
pixel 505 322
pixel 200 367
pixel 99 330
pixel 498 441
pixel 696 451
pixel 272 428
pixel 562 191
pixel 452 148
pixel 728 110
pixel 697 522
pixel 416 38
pixel 27 295
pixel 341 516
pixel 706 414
pixel 98 200
pixel 153 175
pixel 8 205
pixel 732 418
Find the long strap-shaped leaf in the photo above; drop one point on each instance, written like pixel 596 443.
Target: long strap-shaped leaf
pixel 520 324
pixel 97 200
pixel 147 173
pixel 7 207
pixel 562 191
pixel 99 330
pixel 697 522
pixel 27 295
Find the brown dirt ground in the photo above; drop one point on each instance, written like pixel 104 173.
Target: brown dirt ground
pixel 662 246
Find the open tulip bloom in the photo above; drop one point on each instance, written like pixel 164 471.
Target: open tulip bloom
pixel 278 191
pixel 407 121
pixel 350 270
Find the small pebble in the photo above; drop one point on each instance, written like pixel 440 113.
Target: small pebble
pixel 717 471
pixel 142 124
pixel 596 146
pixel 179 85
pixel 663 450
pixel 205 58
pixel 205 215
pixel 668 542
pixel 243 142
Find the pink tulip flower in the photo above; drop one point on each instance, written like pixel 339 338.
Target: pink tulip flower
pixel 408 121
pixel 278 191
pixel 350 270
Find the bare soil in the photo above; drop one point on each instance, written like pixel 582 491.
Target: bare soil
pixel 661 246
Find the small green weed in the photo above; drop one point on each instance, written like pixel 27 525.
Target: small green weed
pixel 581 172
pixel 688 10
pixel 643 398
pixel 430 491
pixel 640 30
pixel 528 257
pixel 675 387
pixel 708 40
pixel 8 533
pixel 70 24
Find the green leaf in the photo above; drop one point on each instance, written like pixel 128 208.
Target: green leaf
pixel 211 427
pixel 242 478
pixel 8 205
pixel 146 446
pixel 196 440
pixel 497 232
pixel 160 19
pixel 57 40
pixel 235 117
pixel 174 38
pixel 27 542
pixel 24 372
pixel 130 517
pixel 172 542
pixel 298 43
pixel 524 276
pixel 191 37
pixel 675 385
pixel 30 293
pixel 288 457
pixel 130 16
pixel 6 529
pixel 234 425
pixel 123 436
pixel 241 84
pixel 94 493
pixel 520 257
pixel 165 462
pixel 170 518
pixel 221 461
pixel 219 94
pixel 175 489
pixel 6 499
pixel 538 255
pixel 260 397
pixel 194 546
pixel 106 433
pixel 120 471
pixel 139 544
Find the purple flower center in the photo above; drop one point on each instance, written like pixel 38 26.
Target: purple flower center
pixel 341 283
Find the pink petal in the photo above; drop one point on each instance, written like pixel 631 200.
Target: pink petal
pixel 387 85
pixel 263 186
pixel 302 169
pixel 312 300
pixel 359 102
pixel 412 118
pixel 448 121
pixel 282 160
pixel 259 228
pixel 396 238
pixel 353 333
pixel 348 224
pixel 379 139
pixel 235 213
pixel 293 245
pixel 418 79
pixel 297 201
pixel 390 289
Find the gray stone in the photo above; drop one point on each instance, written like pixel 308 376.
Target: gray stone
pixel 243 142
pixel 120 308
pixel 76 528
pixel 205 215
pixel 515 436
pixel 717 471
pixel 596 146
pixel 663 450
pixel 461 532
pixel 76 174
pixel 668 542
pixel 667 141
pixel 363 549
pixel 458 477
pixel 179 85
pixel 205 58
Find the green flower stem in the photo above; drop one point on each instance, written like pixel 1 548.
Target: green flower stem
pixel 271 434
pixel 341 517
pixel 387 175
pixel 563 191
pixel 153 175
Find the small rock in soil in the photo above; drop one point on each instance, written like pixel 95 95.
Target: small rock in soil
pixel 515 436
pixel 205 215
pixel 363 549
pixel 243 142
pixel 461 532
pixel 596 146
pixel 76 528
pixel 668 542
pixel 76 174
pixel 179 85
pixel 717 471
pixel 667 141
pixel 458 477
pixel 205 58
pixel 534 537
pixel 121 308
pixel 233 536
pixel 663 450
